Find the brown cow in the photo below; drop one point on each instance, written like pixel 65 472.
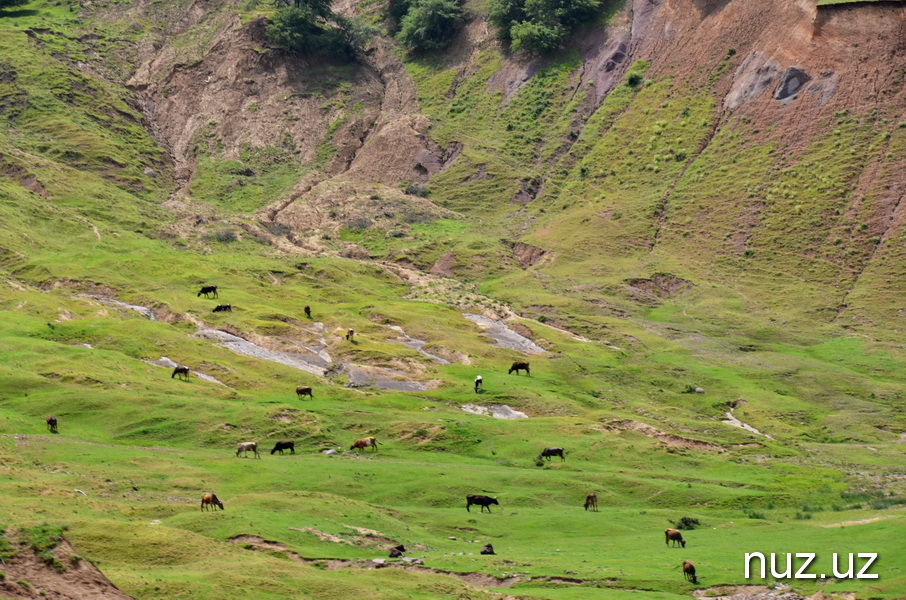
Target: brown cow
pixel 51 423
pixel 304 391
pixel 591 500
pixel 364 443
pixel 210 501
pixel 674 536
pixel 689 572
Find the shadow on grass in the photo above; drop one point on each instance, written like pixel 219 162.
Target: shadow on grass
pixel 12 14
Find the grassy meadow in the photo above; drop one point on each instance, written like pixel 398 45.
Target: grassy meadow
pixel 82 191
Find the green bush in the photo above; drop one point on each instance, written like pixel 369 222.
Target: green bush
pixel 430 25
pixel 538 26
pixel 300 29
pixel 687 523
pixel 11 3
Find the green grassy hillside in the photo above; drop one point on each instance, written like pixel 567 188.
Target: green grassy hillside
pixel 88 221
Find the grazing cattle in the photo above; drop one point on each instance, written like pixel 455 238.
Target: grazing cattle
pixel 210 501
pixel 689 572
pixel 519 366
pixel 484 502
pixel 488 549
pixel 307 310
pixel 591 501
pixel 248 447
pixel 549 452
pixel 281 446
pixel 397 551
pixel 184 371
pixel 364 443
pixel 304 391
pixel 223 308
pixel 478 382
pixel 674 536
pixel 51 423
pixel 208 289
pixel 350 335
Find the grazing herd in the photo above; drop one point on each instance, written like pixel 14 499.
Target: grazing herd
pixel 209 500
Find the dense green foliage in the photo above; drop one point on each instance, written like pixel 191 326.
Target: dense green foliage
pixel 538 26
pixel 430 25
pixel 12 3
pixel 301 29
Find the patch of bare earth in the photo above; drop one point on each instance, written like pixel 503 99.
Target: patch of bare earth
pixel 758 592
pixel 656 288
pixel 669 439
pixel 80 580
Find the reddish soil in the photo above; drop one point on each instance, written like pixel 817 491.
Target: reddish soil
pixel 80 581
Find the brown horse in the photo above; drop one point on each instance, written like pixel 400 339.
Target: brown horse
pixel 52 424
pixel 210 501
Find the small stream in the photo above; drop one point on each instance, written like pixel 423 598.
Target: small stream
pixel 167 363
pixel 503 335
pixel 308 362
pixel 498 411
pixel 415 344
pixel 142 310
pixel 732 420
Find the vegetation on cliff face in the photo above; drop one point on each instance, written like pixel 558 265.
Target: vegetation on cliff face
pixel 606 198
pixel 539 26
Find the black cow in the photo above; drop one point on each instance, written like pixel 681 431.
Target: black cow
pixel 281 446
pixel 307 310
pixel 520 366
pixel 478 383
pixel 51 423
pixel 184 371
pixel 397 551
pixel 223 308
pixel 549 452
pixel 350 335
pixel 484 502
pixel 208 289
pixel 488 549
